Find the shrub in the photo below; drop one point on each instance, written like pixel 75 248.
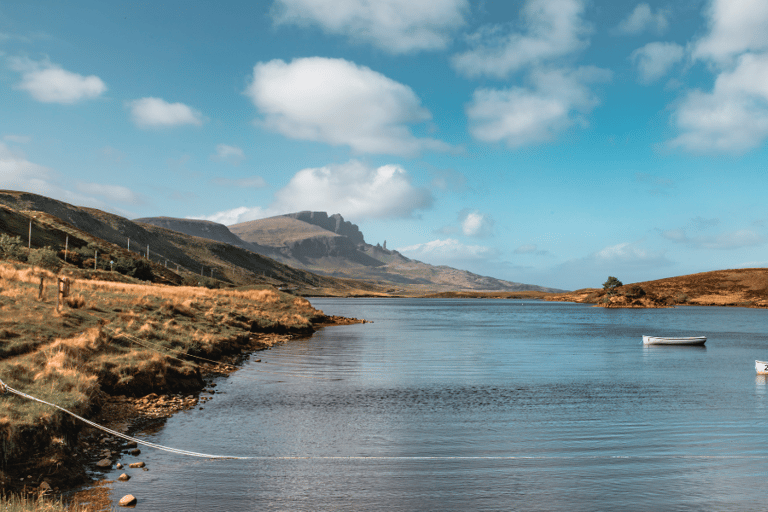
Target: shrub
pixel 634 292
pixel 11 248
pixel 45 258
pixel 138 268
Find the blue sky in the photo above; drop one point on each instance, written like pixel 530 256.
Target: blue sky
pixel 551 142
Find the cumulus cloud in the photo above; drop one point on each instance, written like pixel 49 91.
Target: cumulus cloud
pixel 396 26
pixel 354 190
pixel 476 224
pixel 553 28
pixel 237 215
pixel 643 18
pixel 49 83
pixel 735 27
pixel 733 116
pixel 448 250
pixel 340 103
pixel 158 113
pixel 726 240
pixel 519 116
pixel 655 59
pixel 230 154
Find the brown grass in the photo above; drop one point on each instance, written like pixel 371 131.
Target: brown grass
pixel 120 337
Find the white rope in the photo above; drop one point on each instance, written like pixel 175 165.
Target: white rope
pixel 4 388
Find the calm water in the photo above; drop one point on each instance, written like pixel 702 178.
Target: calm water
pixel 481 405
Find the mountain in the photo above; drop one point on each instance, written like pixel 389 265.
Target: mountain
pixel 175 257
pixel 332 246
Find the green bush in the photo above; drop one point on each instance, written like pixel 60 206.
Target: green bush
pixel 45 258
pixel 138 268
pixel 11 248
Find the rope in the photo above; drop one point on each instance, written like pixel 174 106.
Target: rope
pixel 7 389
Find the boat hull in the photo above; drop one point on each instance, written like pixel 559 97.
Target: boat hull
pixel 761 367
pixel 693 341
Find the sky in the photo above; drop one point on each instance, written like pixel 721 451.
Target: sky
pixel 548 142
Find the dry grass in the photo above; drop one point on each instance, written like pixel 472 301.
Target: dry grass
pixel 119 337
pixel 15 503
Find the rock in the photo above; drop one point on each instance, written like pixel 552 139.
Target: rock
pixel 135 451
pixel 119 466
pixel 136 465
pixel 104 463
pixel 129 500
pixel 45 487
pixel 124 477
pixel 131 444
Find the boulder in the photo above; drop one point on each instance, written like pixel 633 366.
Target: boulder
pixel 129 500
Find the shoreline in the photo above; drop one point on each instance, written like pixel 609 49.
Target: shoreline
pixel 120 354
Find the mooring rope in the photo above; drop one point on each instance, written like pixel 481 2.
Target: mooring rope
pixel 4 388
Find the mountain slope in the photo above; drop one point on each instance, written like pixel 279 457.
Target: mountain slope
pixel 174 255
pixel 331 246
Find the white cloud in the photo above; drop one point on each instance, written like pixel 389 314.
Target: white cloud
pixel 726 240
pixel 554 28
pixel 736 26
pixel 109 192
pixel 396 26
pixel 655 59
pixel 250 182
pixel 520 116
pixel 354 190
pixel 158 113
pixel 230 154
pixel 237 215
pixel 642 18
pixel 18 173
pixel 731 118
pixel 448 250
pixel 476 224
pixel 340 103
pixel 49 83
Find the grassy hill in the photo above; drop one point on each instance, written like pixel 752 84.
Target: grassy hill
pixel 746 287
pixel 174 257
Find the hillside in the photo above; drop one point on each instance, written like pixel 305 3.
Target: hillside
pixel 331 246
pixel 175 257
pixel 747 287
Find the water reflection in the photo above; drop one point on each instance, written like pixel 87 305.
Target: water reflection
pixel 480 405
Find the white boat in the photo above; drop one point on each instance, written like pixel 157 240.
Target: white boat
pixel 761 367
pixel 655 340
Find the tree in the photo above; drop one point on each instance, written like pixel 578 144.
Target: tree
pixel 611 284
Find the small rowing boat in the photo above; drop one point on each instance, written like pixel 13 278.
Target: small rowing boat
pixel 761 367
pixel 693 341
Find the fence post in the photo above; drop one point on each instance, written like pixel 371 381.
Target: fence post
pixel 29 245
pixel 66 247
